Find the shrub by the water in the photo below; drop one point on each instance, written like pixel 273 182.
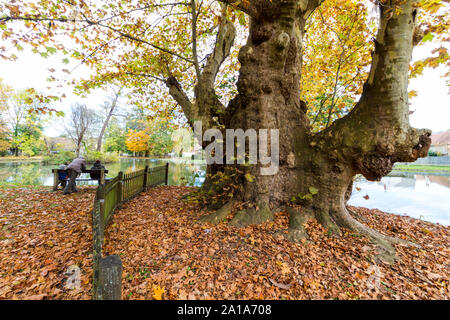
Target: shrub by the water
pixel 60 158
pixel 90 156
pixel 104 157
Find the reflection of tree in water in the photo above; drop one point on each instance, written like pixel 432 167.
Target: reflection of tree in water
pixel 186 174
pixel 20 173
pixel 180 173
pixel 442 180
pixel 409 183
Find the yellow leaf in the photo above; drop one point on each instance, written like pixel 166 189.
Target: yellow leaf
pixel 158 292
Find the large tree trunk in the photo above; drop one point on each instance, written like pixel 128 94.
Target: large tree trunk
pixel 273 52
pixel 315 171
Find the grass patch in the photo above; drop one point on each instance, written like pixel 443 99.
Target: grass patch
pixel 421 168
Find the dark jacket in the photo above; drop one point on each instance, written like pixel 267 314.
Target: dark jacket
pixel 96 166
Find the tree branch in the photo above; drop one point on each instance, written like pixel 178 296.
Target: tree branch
pixel 377 133
pixel 194 38
pixel 97 23
pixel 250 7
pixel 176 91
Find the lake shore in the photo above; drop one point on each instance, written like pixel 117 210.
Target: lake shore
pixel 161 245
pixel 21 159
pixel 416 168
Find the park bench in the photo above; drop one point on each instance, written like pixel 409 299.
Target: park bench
pixel 100 181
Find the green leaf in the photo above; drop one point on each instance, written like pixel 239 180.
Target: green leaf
pixel 65 61
pixel 249 177
pixel 51 50
pixel 313 190
pixel 428 37
pixel 241 19
pixel 307 196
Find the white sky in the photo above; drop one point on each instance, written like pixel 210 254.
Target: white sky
pixel 31 70
pixel 432 106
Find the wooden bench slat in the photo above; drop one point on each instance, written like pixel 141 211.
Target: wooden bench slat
pixel 88 179
pixel 84 171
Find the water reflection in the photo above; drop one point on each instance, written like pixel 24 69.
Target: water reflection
pixel 418 196
pixel 181 172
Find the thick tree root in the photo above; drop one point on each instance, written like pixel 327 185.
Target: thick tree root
pixel 297 221
pixel 357 216
pixel 252 216
pixel 219 215
pixel 334 220
pixel 386 250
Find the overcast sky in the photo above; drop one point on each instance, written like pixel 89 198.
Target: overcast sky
pixel 432 106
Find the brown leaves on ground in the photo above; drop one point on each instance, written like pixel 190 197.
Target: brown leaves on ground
pixel 166 254
pixel 163 247
pixel 42 234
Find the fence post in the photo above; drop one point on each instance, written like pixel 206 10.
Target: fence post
pixel 120 188
pixel 144 187
pixel 167 173
pixel 110 278
pixel 102 176
pixel 55 179
pixel 97 237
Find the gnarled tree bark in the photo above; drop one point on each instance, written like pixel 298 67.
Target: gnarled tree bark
pixel 367 141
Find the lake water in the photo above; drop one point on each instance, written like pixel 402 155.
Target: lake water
pixel 418 196
pixel 181 171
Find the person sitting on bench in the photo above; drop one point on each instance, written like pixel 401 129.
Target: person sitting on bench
pixel 62 176
pixel 97 166
pixel 75 168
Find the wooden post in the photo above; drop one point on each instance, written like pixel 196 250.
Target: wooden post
pixel 97 237
pixel 110 278
pixel 144 187
pixel 102 176
pixel 98 226
pixel 55 179
pixel 167 174
pixel 120 188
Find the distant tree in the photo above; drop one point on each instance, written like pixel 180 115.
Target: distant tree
pixel 22 125
pixel 30 139
pixel 81 120
pixel 115 137
pixel 160 137
pixel 137 141
pixel 15 116
pixel 182 141
pixel 5 92
pixel 109 107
